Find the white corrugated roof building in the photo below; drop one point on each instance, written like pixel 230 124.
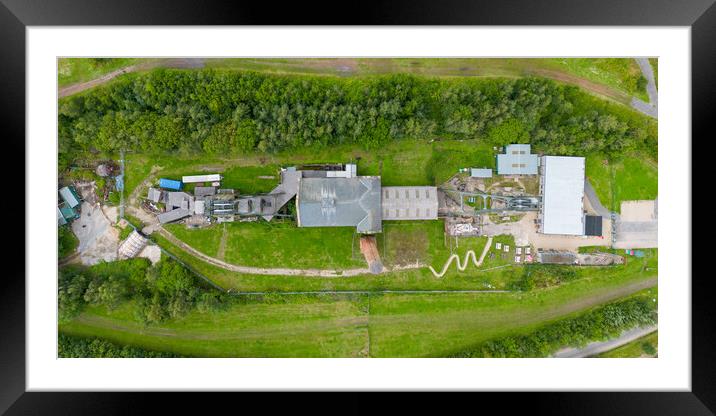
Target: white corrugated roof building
pixel 562 182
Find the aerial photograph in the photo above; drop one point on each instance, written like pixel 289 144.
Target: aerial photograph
pixel 354 207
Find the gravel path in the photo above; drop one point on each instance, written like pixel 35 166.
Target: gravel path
pixel 595 348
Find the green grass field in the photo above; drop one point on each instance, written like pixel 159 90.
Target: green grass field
pixel 76 70
pixel 634 177
pixel 636 348
pixel 389 325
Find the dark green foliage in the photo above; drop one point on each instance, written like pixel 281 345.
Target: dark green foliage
pixel 76 347
pixel 540 276
pixel 166 290
pixel 598 324
pixel 648 348
pixel 234 112
pixel 66 241
pixel 70 295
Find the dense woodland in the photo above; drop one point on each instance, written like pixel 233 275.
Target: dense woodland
pixel 228 112
pixel 596 325
pixel 166 290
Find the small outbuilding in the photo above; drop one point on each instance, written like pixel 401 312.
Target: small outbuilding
pixel 201 178
pixel 593 225
pixel 69 195
pixel 170 184
pixel 480 173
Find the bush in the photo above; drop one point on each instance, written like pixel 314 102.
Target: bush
pixel 648 348
pixel 541 276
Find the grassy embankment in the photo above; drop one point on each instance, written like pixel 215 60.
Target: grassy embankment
pixel 76 70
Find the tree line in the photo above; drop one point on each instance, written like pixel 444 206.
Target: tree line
pixel 157 292
pixel 598 324
pixel 225 112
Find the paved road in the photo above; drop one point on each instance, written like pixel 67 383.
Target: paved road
pixel 594 200
pixel 648 72
pixel 651 108
pixel 599 347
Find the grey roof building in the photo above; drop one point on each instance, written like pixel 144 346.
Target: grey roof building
pixel 154 194
pixel 202 191
pixel 517 160
pixel 410 203
pixel 173 215
pixel 340 202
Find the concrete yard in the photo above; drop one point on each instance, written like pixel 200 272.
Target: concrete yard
pixel 525 233
pixel 637 225
pixel 98 240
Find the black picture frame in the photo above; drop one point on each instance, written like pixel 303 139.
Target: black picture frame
pixel 15 15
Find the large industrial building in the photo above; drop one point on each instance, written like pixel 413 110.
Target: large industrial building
pixel 517 160
pixel 562 190
pixel 337 202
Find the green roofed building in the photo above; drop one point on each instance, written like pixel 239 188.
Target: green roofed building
pixel 69 195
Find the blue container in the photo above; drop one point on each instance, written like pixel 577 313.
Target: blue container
pixel 170 184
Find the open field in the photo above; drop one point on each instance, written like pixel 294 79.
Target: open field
pixel 634 177
pixel 390 325
pixel 616 78
pixel 636 348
